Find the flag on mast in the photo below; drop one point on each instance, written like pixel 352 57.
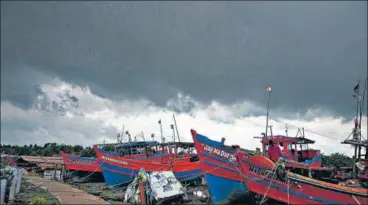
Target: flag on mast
pixel 356 91
pixel 269 88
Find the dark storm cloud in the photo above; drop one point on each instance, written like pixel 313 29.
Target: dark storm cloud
pixel 20 84
pixel 311 52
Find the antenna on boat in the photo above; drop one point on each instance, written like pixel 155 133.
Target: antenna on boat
pixel 172 127
pixel 144 139
pixel 286 130
pixel 270 126
pixel 122 134
pixel 362 106
pixel 176 127
pixel 153 136
pixel 162 137
pixel 297 133
pixel 118 138
pixel 269 88
pixel 129 137
pixel 303 132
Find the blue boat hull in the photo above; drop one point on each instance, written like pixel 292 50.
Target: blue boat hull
pixel 221 171
pixel 116 177
pixel 223 190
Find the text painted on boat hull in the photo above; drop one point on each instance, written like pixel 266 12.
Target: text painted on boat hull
pixel 271 175
pixel 82 162
pixel 114 160
pixel 221 153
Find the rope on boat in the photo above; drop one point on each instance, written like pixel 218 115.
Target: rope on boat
pixel 71 173
pixel 288 190
pixel 268 188
pixel 355 199
pixel 90 173
pixel 269 185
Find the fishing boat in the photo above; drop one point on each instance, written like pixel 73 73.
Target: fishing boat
pixel 91 164
pixel 299 157
pixel 119 171
pixel 220 169
pixel 267 179
pixel 306 161
pixel 78 163
pixel 89 167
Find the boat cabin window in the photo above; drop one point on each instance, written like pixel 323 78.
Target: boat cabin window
pixel 290 147
pixel 183 150
pixel 235 146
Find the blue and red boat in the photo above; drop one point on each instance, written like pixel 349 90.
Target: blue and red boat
pixel 90 166
pixel 298 155
pixel 119 171
pixel 269 180
pixel 220 169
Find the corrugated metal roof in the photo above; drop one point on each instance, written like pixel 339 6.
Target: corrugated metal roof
pixel 37 159
pixel 50 166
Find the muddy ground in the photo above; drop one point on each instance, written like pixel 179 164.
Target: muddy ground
pixel 117 197
pixel 102 191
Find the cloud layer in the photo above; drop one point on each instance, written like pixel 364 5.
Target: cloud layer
pixel 71 114
pixel 311 52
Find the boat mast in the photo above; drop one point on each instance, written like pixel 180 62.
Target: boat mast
pixel 286 130
pixel 268 108
pixel 358 141
pixel 270 126
pixel 172 127
pixel 356 134
pixel 162 137
pixel 144 139
pixel 129 137
pixel 360 120
pixel 122 135
pixel 176 127
pixel 153 136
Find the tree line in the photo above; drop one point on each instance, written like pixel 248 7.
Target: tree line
pixel 48 149
pixel 52 149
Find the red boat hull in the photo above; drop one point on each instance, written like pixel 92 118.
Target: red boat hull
pixel 262 179
pixel 75 162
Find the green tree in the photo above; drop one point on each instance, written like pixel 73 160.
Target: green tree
pixel 337 160
pixel 77 149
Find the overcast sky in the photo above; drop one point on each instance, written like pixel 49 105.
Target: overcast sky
pixel 74 72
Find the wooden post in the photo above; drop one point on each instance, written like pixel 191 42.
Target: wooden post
pixel 2 191
pixel 204 181
pixel 55 173
pixel 13 187
pixel 19 181
pixel 142 193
